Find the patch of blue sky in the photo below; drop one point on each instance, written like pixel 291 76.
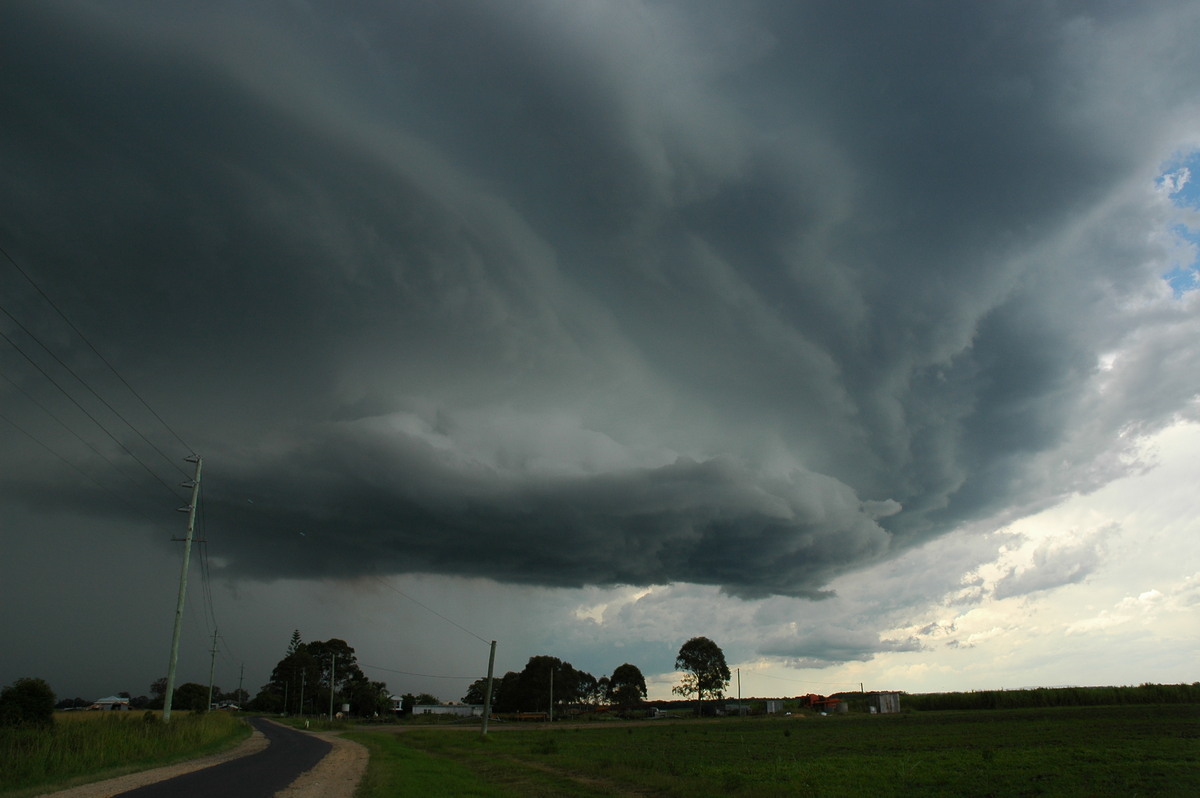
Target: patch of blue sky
pixel 1181 180
pixel 1183 278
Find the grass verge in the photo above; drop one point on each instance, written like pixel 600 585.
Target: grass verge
pixel 396 768
pixel 82 747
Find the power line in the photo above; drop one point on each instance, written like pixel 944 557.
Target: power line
pixel 84 410
pixel 422 675
pixel 205 581
pixel 95 351
pixel 75 434
pixel 78 470
pixel 90 389
pixel 395 589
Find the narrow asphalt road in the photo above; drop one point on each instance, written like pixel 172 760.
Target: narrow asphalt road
pixel 260 775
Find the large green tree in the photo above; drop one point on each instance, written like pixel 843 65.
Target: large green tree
pixel 338 655
pixel 592 690
pixel 477 692
pixel 545 680
pixel 507 697
pixel 627 686
pixel 294 683
pixel 705 673
pixel 27 702
pixel 368 698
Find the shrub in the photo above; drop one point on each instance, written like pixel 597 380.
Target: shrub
pixel 27 702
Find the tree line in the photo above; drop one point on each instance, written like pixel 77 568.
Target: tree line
pixel 300 683
pixel 315 676
pixel 547 684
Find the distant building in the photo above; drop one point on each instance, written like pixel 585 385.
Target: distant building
pixel 462 710
pixel 774 706
pixel 112 703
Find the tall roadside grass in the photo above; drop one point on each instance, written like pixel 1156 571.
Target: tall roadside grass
pixel 84 746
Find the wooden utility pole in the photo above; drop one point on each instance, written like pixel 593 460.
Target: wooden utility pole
pixel 212 668
pixel 190 509
pixel 332 665
pixel 487 695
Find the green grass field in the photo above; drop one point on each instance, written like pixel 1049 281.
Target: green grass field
pixel 88 746
pixel 1061 751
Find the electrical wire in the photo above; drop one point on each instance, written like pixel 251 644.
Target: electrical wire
pixel 77 470
pixel 95 351
pixel 85 411
pixel 395 589
pixel 125 500
pixel 422 675
pixel 90 389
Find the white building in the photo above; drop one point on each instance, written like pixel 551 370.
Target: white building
pixel 461 710
pixel 113 702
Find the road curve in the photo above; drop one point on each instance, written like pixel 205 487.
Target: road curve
pixel 260 775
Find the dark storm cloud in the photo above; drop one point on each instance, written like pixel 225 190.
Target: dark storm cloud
pixel 370 506
pixel 570 294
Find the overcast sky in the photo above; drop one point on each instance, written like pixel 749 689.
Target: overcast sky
pixel 859 337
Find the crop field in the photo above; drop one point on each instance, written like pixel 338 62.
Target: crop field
pixel 1058 751
pixel 91 745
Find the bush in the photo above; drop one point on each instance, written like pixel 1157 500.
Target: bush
pixel 27 702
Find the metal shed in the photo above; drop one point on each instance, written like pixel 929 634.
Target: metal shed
pixel 883 703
